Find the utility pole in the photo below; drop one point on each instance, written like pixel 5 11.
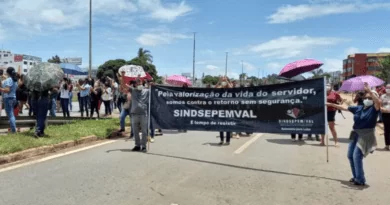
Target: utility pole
pixel 90 38
pixel 226 63
pixel 193 62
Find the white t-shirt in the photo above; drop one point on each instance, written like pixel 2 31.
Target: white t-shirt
pixel 64 93
pixel 385 101
pixel 107 96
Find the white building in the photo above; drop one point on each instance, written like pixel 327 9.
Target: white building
pixel 18 61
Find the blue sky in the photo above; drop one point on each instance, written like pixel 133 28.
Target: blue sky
pixel 265 35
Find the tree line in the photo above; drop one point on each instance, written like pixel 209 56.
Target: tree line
pixel 109 68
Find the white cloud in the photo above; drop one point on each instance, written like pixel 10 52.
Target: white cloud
pixel 275 66
pixel 167 12
pixel 292 46
pixel 211 67
pixel 44 16
pixel 58 14
pixel 383 50
pixel 200 63
pixel 208 52
pixel 2 32
pixel 351 50
pixel 153 39
pixel 290 13
pixel 211 22
pixel 248 66
pixel 332 64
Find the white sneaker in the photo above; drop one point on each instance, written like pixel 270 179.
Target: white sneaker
pixel 151 140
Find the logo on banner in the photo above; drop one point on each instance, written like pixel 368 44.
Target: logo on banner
pixel 295 113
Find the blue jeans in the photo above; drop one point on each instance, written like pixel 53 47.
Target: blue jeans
pixel 53 107
pixel 355 157
pixel 9 104
pixel 70 100
pixel 124 114
pixel 65 108
pixel 41 107
pixel 84 105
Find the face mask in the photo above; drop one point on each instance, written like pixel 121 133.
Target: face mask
pixel 368 102
pixel 327 88
pixel 140 87
pixel 223 84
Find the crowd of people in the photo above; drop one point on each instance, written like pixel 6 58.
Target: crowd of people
pixel 132 99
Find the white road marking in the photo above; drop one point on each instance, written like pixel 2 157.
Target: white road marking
pixel 249 142
pixel 54 156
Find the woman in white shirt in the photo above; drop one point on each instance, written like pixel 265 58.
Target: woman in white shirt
pixel 107 97
pixel 64 97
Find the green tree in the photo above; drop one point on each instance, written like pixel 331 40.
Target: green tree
pixel 54 59
pixel 384 69
pixel 145 59
pixel 319 73
pixel 212 80
pixel 271 79
pixel 110 68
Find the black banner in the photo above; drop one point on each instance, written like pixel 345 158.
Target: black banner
pixel 296 107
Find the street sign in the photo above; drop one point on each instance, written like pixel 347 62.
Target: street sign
pixel 76 60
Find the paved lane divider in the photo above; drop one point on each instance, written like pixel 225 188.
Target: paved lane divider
pixel 248 143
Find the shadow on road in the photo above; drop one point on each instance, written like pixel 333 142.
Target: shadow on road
pixel 346 184
pixel 171 132
pixel 214 144
pixel 341 140
pixel 286 142
pixel 382 150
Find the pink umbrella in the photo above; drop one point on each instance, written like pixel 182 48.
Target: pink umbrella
pixel 357 83
pixel 178 80
pixel 299 67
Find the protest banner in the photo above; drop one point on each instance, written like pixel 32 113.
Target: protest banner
pixel 296 107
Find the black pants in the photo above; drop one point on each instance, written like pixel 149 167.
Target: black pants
pixel 386 125
pixel 293 136
pixel 107 106
pixel 94 107
pixel 228 136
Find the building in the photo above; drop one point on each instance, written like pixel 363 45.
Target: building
pixel 18 61
pixel 362 64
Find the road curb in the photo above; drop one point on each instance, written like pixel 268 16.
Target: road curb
pixel 33 152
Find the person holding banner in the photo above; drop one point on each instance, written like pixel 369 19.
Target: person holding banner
pixel 139 114
pixel 224 83
pixel 334 98
pixel 362 136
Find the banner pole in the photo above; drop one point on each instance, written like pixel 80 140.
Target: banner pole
pixel 327 147
pixel 150 93
pixel 326 122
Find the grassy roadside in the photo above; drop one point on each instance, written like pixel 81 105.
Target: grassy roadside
pixel 57 134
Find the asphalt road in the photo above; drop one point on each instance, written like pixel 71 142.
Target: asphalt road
pixel 189 169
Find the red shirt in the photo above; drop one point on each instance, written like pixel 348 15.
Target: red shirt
pixel 334 98
pixel 381 90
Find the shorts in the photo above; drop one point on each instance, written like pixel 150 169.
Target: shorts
pixel 331 116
